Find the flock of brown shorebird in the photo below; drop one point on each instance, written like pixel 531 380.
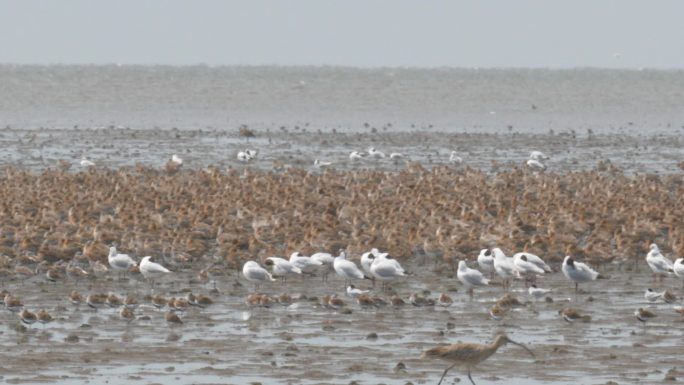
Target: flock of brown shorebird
pixel 61 223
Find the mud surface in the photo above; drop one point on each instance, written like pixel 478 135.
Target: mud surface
pixel 582 119
pixel 299 146
pixel 230 342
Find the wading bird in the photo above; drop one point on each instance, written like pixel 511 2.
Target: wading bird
pixel 468 355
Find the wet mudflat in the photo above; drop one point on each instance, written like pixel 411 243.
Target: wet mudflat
pixel 298 146
pixel 229 342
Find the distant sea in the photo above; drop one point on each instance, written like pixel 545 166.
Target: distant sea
pixel 452 100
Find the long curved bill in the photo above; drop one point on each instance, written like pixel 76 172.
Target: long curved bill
pixel 522 346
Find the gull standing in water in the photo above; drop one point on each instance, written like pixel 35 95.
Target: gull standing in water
pixel 119 262
pixel 660 265
pixel 304 263
pixel 346 269
pixel 176 159
pixel 455 159
pixel 526 267
pixel 151 270
pixel 535 260
pixel 86 163
pixel 538 155
pixel 367 259
pixel 504 266
pixel 326 260
pixel 578 272
pixel 386 269
pixel 486 261
pixel 255 273
pixel 282 267
pixel 471 278
pixel 535 165
pixel 375 154
pixel 321 164
pixel 678 268
pixel 355 155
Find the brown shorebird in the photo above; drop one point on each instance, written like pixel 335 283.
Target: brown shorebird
pixel 126 314
pixel 28 317
pixel 44 317
pixel 468 355
pixel 644 315
pixel 173 318
pixel 571 315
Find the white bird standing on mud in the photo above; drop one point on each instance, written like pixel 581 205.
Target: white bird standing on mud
pixel 530 265
pixel 386 269
pixel 355 155
pixel 151 270
pixel 255 273
pixel 535 165
pixel 660 265
pixel 86 163
pixel 247 155
pixel 486 261
pixel 176 159
pixel 282 267
pixel 455 159
pixel 346 269
pixel 320 164
pixel 538 155
pixel 326 260
pixel 367 259
pixel 119 262
pixel 304 263
pixel 375 154
pixel 678 268
pixel 470 278
pixel 578 272
pixel 504 266
pixel 535 260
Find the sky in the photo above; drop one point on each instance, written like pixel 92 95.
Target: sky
pixel 369 33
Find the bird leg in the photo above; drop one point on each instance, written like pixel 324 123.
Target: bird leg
pixel 470 378
pixel 445 372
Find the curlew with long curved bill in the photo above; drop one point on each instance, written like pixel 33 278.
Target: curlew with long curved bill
pixel 468 355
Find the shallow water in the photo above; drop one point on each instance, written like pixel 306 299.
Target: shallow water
pixel 112 148
pixel 229 342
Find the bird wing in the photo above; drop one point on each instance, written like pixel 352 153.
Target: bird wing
pixel 385 270
pixel 474 277
pixel 527 266
pixel 536 260
pixel 660 263
pixel 349 269
pixel 258 273
pixel 153 267
pixel 122 261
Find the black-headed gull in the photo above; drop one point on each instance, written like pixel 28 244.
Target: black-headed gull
pixel 578 272
pixel 660 265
